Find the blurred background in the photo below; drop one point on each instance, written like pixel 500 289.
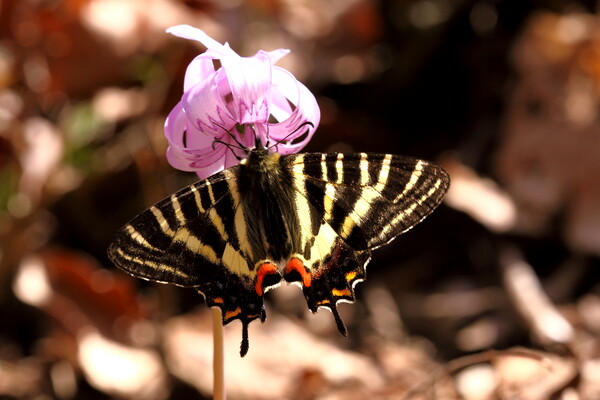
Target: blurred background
pixel 495 296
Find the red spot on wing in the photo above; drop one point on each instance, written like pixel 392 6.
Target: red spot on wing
pixel 296 265
pixel 264 270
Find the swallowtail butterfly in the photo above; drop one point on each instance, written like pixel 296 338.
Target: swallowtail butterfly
pixel 308 218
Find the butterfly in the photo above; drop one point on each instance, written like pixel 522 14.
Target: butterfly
pixel 310 219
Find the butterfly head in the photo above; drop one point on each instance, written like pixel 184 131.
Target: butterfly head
pixel 265 157
pixel 260 158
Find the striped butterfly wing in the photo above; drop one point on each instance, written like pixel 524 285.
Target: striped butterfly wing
pixel 335 208
pixel 369 199
pixel 353 204
pixel 190 239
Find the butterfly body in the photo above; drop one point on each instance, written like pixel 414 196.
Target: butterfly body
pixel 311 219
pixel 267 195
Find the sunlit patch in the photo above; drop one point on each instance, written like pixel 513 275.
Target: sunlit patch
pixel 119 369
pixel 31 284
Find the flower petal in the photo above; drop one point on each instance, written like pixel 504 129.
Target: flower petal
pixel 276 55
pixel 175 123
pixel 206 108
pixel 191 33
pixel 197 71
pixel 178 131
pixel 204 173
pixel 290 132
pixel 175 129
pixel 189 149
pixel 250 82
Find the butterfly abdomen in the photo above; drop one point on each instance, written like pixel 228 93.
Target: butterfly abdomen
pixel 266 196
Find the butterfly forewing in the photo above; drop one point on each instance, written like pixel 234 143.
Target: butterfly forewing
pixel 369 199
pixel 192 239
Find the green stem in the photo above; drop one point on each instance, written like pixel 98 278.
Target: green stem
pixel 218 360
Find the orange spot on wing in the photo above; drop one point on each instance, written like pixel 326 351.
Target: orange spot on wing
pixel 218 300
pixel 341 293
pixel 296 265
pixel 264 270
pixel 231 314
pixel 350 275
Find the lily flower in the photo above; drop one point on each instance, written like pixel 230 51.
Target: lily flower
pixel 231 104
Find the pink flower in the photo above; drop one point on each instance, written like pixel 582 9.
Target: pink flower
pixel 228 109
